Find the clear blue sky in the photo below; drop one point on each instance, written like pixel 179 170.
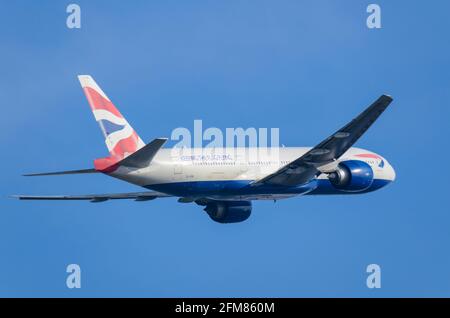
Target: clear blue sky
pixel 306 67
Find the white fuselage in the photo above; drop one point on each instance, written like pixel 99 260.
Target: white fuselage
pixel 213 166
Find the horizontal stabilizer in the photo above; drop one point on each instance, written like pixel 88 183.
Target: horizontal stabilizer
pixel 58 173
pixel 143 157
pixel 138 196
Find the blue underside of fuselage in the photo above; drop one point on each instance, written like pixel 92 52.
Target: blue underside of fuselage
pixel 242 187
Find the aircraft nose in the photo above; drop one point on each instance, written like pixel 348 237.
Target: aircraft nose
pixel 391 172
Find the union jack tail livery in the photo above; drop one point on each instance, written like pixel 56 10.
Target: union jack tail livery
pixel 120 138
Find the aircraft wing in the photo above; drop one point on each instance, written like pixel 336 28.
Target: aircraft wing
pixel 305 168
pixel 138 196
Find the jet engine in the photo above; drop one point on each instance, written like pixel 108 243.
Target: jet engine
pixel 229 211
pixel 352 176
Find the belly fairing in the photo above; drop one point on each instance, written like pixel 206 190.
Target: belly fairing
pixel 228 188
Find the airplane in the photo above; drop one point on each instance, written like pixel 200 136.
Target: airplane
pixel 225 181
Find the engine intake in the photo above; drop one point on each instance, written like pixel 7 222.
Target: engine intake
pixel 352 176
pixel 229 211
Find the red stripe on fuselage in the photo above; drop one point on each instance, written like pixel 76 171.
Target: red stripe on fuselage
pixel 368 155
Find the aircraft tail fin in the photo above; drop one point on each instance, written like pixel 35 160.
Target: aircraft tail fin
pixel 120 138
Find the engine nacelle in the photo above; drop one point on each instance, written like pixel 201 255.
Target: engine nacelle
pixel 229 211
pixel 352 176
